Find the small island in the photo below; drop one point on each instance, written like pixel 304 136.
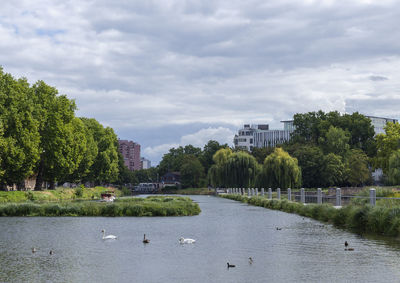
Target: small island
pixel 87 202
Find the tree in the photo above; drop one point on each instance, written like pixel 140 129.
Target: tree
pixel 310 159
pixel 358 172
pixel 260 153
pixel 217 174
pixel 387 144
pixel 394 168
pixel 192 171
pixel 240 170
pixel 332 170
pixel 336 141
pixel 206 157
pixel 19 148
pixel 280 170
pixel 57 127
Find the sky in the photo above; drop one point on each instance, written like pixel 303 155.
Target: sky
pixel 170 73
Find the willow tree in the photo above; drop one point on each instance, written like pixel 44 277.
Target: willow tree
pixel 241 169
pixel 394 168
pixel 280 170
pixel 217 174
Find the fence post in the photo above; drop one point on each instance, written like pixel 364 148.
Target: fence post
pixel 338 197
pixel 319 196
pixel 269 193
pixel 256 191
pixel 262 192
pixel 302 196
pixel 248 192
pixel 289 194
pixel 372 197
pixel 278 192
pixel 252 191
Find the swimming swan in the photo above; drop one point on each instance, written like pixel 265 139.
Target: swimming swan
pixel 108 237
pixel 186 241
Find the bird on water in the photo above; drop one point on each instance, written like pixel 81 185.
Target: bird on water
pixel 230 265
pixel 33 250
pixel 108 237
pixel 145 241
pixel 250 260
pixel 346 247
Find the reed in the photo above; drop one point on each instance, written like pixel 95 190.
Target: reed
pixel 359 218
pixel 151 206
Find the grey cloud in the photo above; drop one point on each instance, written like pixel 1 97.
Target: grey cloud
pixel 378 78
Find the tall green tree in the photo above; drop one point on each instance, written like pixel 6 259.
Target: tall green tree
pixel 387 144
pixel 19 149
pixel 333 170
pixel 192 172
pixel 358 172
pixel 241 170
pixel 217 174
pixel 280 170
pixel 310 159
pixel 57 127
pixel 206 157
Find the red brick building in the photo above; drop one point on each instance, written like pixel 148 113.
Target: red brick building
pixel 131 153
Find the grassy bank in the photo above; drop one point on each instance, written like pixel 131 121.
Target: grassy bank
pixel 151 206
pixel 359 218
pixel 59 194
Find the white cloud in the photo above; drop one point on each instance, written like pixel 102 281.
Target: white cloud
pixel 197 139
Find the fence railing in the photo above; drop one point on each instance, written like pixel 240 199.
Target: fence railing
pixel 305 197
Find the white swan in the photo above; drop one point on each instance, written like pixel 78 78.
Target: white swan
pixel 108 237
pixel 186 241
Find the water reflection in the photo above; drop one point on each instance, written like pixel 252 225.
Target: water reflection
pixel 304 250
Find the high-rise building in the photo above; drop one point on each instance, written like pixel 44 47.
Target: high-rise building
pixel 131 153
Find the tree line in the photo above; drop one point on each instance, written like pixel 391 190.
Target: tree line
pixel 40 136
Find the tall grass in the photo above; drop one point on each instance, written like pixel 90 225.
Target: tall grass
pixel 359 218
pixel 151 206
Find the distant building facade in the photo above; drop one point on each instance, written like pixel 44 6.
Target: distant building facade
pixel 131 153
pixel 379 123
pixel 251 136
pixel 145 163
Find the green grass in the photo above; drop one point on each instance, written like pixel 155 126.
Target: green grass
pixel 59 194
pixel 379 220
pixel 150 206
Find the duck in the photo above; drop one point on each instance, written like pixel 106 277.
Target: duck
pixel 277 228
pixel 51 252
pixel 33 250
pixel 108 237
pixel 230 265
pixel 346 244
pixel 250 260
pixel 186 241
pixel 145 241
pixel 346 247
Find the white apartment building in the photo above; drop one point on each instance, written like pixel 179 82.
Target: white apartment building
pixel 261 136
pixel 379 123
pixel 145 163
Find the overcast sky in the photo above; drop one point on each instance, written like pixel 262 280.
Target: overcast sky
pixel 169 73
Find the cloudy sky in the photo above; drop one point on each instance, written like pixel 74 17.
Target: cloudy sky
pixel 169 73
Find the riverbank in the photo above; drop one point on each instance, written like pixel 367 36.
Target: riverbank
pixel 358 218
pixel 150 206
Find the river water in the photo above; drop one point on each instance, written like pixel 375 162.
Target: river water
pixel 304 250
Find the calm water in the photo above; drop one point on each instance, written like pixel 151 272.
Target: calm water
pixel 303 251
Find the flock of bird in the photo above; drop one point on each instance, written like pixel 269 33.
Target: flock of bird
pixel 184 241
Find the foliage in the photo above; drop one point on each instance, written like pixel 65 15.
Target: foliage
pixel 360 218
pixel 280 170
pixel 192 171
pixel 151 206
pixel 387 144
pixel 394 168
pixel 358 173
